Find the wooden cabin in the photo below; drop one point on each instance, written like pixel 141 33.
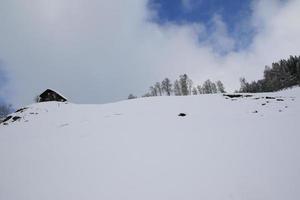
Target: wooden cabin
pixel 51 95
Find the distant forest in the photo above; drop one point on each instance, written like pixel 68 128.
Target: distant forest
pixel 183 86
pixel 281 75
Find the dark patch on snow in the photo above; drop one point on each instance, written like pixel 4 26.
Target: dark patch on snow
pixel 33 113
pixel 263 104
pixel 15 118
pixel 270 97
pixel 279 100
pixel 255 111
pixel 237 95
pixel 233 95
pixel 6 119
pixel 21 110
pixel 63 125
pixel 181 114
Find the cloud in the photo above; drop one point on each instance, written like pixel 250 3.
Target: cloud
pixel 100 51
pixel 4 93
pixel 218 38
pixel 190 5
pixel 187 4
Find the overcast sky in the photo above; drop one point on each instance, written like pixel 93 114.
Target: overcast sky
pixel 98 51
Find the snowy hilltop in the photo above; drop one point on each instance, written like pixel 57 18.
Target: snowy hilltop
pixel 212 147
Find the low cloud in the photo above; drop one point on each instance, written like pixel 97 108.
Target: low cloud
pixel 4 93
pixel 100 51
pixel 218 38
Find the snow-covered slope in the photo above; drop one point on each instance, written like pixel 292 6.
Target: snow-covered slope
pixel 224 148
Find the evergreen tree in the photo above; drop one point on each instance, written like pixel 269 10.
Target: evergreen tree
pixel 282 74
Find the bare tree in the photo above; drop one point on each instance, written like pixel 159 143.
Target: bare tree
pixel 177 89
pixel 207 87
pixel 220 87
pixel 167 86
pixel 153 91
pixel 190 86
pixel 200 90
pixel 214 88
pixel 158 88
pixel 194 91
pixel 184 84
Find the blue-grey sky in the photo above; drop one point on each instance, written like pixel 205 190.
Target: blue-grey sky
pixel 97 51
pixel 234 13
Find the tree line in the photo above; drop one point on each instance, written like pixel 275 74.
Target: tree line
pixel 183 86
pixel 281 75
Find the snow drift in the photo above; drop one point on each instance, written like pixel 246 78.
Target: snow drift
pixel 221 148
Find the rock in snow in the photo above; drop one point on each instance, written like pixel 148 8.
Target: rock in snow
pixel 140 149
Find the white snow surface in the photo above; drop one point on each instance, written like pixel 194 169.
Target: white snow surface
pixel 140 149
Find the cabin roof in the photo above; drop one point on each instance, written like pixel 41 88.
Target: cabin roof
pixel 53 91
